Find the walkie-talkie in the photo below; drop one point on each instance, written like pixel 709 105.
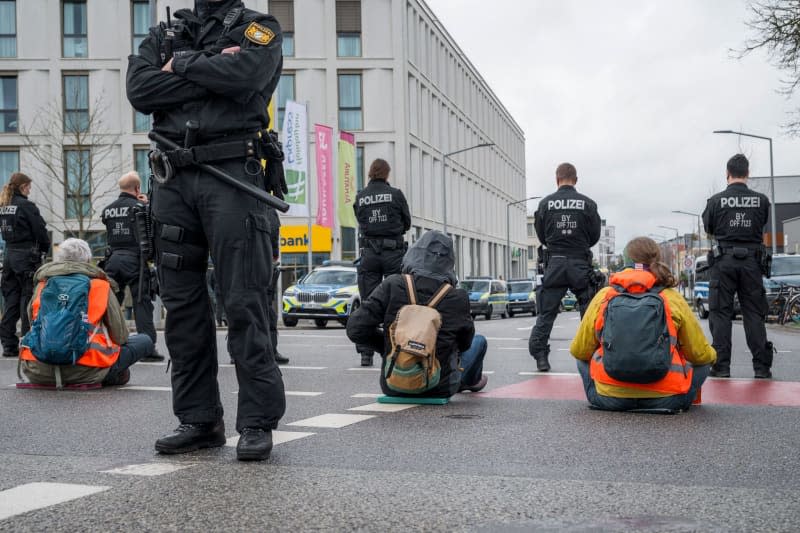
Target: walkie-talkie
pixel 169 39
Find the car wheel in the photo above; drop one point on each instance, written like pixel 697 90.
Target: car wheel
pixel 320 322
pixel 510 313
pixel 561 308
pixel 356 305
pixel 533 311
pixel 702 312
pixel 289 322
pixel 488 315
pixel 473 315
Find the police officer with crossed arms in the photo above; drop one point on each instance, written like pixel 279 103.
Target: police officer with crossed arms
pixel 568 225
pixel 383 217
pixel 123 257
pixel 736 218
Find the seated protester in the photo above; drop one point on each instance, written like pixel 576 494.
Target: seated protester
pixel 108 351
pixel 429 266
pixel 639 345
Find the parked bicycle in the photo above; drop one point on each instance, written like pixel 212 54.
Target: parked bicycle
pixel 785 305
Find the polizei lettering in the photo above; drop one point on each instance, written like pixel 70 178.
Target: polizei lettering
pixel 740 201
pixel 8 210
pixel 115 212
pixel 566 204
pixel 375 199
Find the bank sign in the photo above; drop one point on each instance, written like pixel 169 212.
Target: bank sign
pixel 294 239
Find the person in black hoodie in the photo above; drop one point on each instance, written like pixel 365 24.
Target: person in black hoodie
pixel 430 261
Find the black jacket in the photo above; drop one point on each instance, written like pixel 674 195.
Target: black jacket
pixel 567 221
pixel 381 308
pixel 22 225
pixel 226 93
pixel 737 215
pixel 382 210
pixel 120 221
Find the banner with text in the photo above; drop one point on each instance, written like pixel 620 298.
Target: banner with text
pixel 295 165
pixel 324 144
pixel 347 181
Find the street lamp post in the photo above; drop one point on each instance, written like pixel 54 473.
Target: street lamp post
pixel 675 249
pixel 774 224
pixel 444 180
pixel 508 232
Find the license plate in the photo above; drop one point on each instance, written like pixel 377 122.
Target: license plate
pixel 312 306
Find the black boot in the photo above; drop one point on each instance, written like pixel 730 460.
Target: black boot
pixel 280 359
pixel 719 372
pixel 542 364
pixel 191 437
pixel 255 444
pixel 154 357
pixel 366 359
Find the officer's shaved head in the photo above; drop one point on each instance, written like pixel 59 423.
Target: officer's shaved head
pixel 566 173
pixel 130 182
pixel 738 167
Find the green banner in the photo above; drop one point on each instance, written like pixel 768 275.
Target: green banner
pixel 346 179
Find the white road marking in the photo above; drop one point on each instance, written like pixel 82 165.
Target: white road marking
pixel 366 395
pixel 294 393
pixel 278 437
pixel 549 374
pixel 504 339
pixel 331 420
pixel 364 369
pixel 32 496
pixel 575 318
pixel 303 367
pixel 784 351
pixel 563 349
pixel 488 372
pixel 147 469
pixel 383 407
pixel 525 328
pixel 140 387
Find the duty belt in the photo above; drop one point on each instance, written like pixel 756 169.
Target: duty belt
pixel 386 243
pixel 20 245
pixel 164 163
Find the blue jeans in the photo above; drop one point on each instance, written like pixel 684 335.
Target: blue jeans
pixel 138 347
pixel 472 361
pixel 678 402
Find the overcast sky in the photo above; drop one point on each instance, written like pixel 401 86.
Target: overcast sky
pixel 629 92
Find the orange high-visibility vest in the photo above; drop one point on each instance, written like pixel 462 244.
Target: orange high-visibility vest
pixel 679 378
pixel 102 351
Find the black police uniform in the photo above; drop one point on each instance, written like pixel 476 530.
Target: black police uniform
pixel 736 218
pixel 25 233
pixel 567 223
pixel 124 259
pixel 383 217
pixel 274 237
pixel 194 213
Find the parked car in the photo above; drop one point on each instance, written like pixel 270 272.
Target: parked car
pixel 521 297
pixel 786 268
pixel 487 296
pixel 700 294
pixel 327 293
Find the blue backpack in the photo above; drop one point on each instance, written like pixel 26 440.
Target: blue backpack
pixel 60 333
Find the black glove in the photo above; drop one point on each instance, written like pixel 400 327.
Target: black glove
pixel 273 153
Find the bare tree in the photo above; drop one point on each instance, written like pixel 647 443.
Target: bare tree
pixel 74 151
pixel 776 25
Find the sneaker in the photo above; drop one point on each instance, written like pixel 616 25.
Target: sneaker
pixel 762 373
pixel 366 359
pixel 191 437
pixel 153 358
pixel 720 372
pixel 255 444
pixel 280 359
pixel 542 364
pixel 118 380
pixel 477 387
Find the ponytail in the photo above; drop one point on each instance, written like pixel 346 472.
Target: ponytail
pixel 663 274
pixel 18 179
pixel 645 250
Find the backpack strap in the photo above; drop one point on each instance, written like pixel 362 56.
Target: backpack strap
pixel 412 292
pixel 440 294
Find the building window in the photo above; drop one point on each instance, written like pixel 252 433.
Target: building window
pixel 9 107
pixel 140 22
pixel 141 122
pixel 359 168
pixel 9 163
pixel 76 41
pixel 530 253
pixel 348 28
pixel 283 10
pixel 350 102
pixel 142 164
pixel 531 230
pixel 77 184
pixel 76 103
pixel 285 92
pixel 8 28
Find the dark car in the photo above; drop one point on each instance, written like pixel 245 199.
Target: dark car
pixel 521 297
pixel 786 269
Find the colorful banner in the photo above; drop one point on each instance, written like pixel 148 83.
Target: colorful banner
pixel 346 179
pixel 324 145
pixel 295 165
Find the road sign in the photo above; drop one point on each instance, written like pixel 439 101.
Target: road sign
pixel 688 262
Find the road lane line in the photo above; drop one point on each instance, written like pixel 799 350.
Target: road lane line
pixel 366 395
pixel 32 496
pixel 331 420
pixel 294 393
pixel 505 339
pixel 383 407
pixel 141 387
pixel 278 437
pixel 784 351
pixel 364 369
pixel 287 367
pixel 147 469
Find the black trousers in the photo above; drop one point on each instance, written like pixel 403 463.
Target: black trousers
pixel 730 276
pixel 123 267
pixel 235 229
pixel 560 274
pixel 19 266
pixel 375 266
pixel 272 310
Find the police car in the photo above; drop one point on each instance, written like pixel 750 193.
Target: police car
pixel 521 297
pixel 487 296
pixel 327 293
pixel 568 302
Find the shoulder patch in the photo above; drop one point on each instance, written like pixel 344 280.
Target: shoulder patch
pixel 259 34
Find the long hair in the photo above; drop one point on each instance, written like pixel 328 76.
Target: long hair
pixel 379 170
pixel 646 251
pixel 18 179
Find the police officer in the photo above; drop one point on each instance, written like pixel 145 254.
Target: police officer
pixel 383 217
pixel 218 65
pixel 25 233
pixel 123 257
pixel 736 218
pixel 568 225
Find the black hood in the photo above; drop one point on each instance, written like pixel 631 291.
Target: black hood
pixel 432 256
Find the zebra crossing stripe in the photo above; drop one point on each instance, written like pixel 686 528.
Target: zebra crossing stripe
pixel 32 496
pixel 331 420
pixel 278 437
pixel 147 469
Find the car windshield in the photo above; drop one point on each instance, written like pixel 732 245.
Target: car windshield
pixel 475 285
pixel 524 286
pixel 331 277
pixel 786 266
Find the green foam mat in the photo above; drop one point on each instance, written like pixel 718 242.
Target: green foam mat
pixel 426 401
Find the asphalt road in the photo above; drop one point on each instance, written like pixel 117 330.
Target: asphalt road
pixel 485 462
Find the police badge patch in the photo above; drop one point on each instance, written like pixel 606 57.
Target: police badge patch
pixel 259 34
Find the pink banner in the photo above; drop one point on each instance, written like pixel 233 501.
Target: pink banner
pixel 324 138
